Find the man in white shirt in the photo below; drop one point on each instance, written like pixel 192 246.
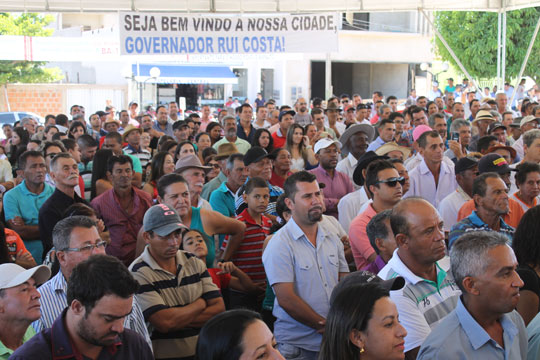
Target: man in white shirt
pixel 528 123
pixel 466 170
pixel 354 142
pixel 432 179
pixel 260 118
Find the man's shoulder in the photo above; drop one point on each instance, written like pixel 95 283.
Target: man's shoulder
pixel 443 339
pixel 38 347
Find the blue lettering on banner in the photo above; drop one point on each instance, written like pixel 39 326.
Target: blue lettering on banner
pixel 203 45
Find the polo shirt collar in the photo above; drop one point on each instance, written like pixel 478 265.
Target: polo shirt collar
pixel 247 217
pixel 397 264
pixel 147 258
pixel 279 133
pixel 475 219
pixel 476 333
pixel 62 346
pixel 352 160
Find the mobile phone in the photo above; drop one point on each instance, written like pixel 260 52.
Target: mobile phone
pixel 455 136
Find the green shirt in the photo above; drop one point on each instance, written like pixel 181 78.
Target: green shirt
pixel 5 352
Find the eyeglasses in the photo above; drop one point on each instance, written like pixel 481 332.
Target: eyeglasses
pixel 392 182
pixel 88 248
pixel 51 155
pixel 197 122
pixel 215 166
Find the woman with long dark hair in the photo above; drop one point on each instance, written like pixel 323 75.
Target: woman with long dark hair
pixel 234 335
pixel 19 140
pixel 100 180
pixel 302 155
pixel 263 138
pixel 76 129
pixel 214 129
pixel 526 245
pixel 162 164
pixel 362 324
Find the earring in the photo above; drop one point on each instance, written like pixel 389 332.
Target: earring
pixel 361 350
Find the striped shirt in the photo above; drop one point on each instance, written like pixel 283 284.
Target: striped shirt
pixel 54 300
pixel 162 290
pixel 85 171
pixel 421 303
pixel 143 155
pixel 248 257
pixel 240 205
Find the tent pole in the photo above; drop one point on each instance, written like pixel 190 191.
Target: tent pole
pixel 503 50
pixel 328 77
pixel 499 19
pixel 449 49
pixel 524 64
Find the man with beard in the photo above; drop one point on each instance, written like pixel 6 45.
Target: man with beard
pixel 337 184
pixel 303 263
pixel 92 325
pixel 354 141
pixel 302 117
pixel 230 128
pixel 162 122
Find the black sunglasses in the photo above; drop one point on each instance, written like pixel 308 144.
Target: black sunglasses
pixel 392 182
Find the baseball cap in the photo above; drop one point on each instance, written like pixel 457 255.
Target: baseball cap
pixel 162 220
pixel 254 155
pixel 493 163
pixel 465 163
pixel 419 130
pixel 527 119
pixel 324 143
pixel 12 275
pixel 366 277
pixel 363 163
pixel 495 125
pixel 285 112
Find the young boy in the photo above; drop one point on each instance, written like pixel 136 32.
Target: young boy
pixel 247 255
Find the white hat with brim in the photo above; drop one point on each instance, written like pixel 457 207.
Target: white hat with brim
pixel 12 275
pixel 324 143
pixel 392 146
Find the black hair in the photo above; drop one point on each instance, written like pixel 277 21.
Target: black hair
pixel 257 136
pixel 25 155
pixel 179 148
pixel 62 120
pixel 526 243
pixel 156 170
pixel 87 283
pixel 221 337
pixel 254 183
pixel 377 229
pixel 167 145
pixel 483 142
pixel 346 316
pixel 86 141
pixel 372 172
pixel 17 150
pixel 525 169
pixel 209 129
pixel 114 135
pixel 167 180
pixel 120 159
pixel 58 136
pixel 198 136
pixel 79 209
pixel 99 168
pixel 480 185
pixel 74 125
pixel 290 183
pixel 69 144
pixel 422 140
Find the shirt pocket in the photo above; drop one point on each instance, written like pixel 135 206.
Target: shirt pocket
pixel 304 263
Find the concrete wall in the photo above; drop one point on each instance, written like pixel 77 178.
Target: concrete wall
pixel 391 79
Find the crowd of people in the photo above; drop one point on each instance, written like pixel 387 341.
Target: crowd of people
pixel 338 229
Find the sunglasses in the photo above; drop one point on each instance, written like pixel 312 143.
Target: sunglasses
pixel 392 182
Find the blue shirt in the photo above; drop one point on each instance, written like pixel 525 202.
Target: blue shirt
pixel 314 271
pixel 474 223
pixel 459 336
pixel 19 201
pixel 168 130
pixel 375 144
pixel 533 330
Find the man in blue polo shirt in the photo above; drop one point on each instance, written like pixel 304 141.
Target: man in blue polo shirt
pixel 485 324
pixel 22 203
pixel 491 199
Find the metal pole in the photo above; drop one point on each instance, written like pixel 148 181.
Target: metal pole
pixel 499 20
pixel 328 77
pixel 524 64
pixel 503 54
pixel 449 49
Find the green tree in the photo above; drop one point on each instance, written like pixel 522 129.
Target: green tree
pixel 27 24
pixel 473 37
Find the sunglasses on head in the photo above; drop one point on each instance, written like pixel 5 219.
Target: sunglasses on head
pixel 392 182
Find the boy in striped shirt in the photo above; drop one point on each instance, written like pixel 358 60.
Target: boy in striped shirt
pixel 247 254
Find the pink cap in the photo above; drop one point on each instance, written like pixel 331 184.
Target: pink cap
pixel 419 130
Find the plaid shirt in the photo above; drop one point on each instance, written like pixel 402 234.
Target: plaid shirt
pixel 474 223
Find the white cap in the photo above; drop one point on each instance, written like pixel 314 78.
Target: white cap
pixel 12 275
pixel 324 143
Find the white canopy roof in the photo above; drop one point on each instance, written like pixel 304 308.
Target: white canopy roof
pixel 260 6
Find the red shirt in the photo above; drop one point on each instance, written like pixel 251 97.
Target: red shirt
pixel 14 244
pixel 221 280
pixel 248 257
pixel 279 141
